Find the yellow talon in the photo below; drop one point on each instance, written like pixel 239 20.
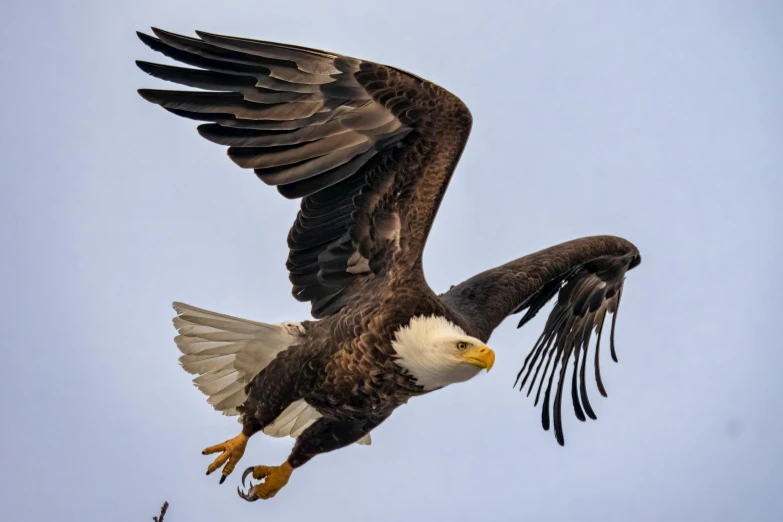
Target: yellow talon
pixel 231 451
pixel 275 478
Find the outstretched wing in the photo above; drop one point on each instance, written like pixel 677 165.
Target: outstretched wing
pixel 587 275
pixel 368 148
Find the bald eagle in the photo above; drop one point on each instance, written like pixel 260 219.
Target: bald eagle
pixel 369 150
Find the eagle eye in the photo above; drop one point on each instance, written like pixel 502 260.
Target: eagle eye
pixel 462 345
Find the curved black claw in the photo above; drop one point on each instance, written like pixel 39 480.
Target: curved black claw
pixel 247 472
pixel 250 496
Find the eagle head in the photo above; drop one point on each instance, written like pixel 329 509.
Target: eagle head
pixel 436 352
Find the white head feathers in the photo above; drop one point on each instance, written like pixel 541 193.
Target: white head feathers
pixel 431 349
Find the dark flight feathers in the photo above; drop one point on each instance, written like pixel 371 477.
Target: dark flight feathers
pixel 335 131
pixel 587 277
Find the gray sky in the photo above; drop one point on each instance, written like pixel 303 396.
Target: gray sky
pixel 661 123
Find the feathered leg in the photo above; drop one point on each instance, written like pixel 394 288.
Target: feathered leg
pixel 270 393
pixel 322 436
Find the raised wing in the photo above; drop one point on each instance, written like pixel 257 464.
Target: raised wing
pixel 587 275
pixel 368 148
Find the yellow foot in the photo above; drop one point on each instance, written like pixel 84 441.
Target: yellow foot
pixel 276 477
pixel 232 450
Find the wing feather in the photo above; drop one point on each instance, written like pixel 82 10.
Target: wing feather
pixel 571 322
pixel 352 138
pixel 587 276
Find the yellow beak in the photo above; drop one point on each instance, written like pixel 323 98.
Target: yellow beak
pixel 481 356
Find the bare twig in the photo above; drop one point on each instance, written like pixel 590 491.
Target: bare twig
pixel 162 513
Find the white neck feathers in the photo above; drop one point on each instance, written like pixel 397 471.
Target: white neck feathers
pixel 420 347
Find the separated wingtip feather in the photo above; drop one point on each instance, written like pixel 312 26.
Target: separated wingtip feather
pixel 148 40
pixel 161 33
pixel 151 95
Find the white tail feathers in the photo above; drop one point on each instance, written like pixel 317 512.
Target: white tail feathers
pixel 227 352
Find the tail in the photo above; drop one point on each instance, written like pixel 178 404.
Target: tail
pixel 227 352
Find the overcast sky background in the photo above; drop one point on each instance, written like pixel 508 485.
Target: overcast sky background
pixel 657 121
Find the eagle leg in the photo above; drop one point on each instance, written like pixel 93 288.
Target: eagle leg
pixel 275 478
pixel 231 451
